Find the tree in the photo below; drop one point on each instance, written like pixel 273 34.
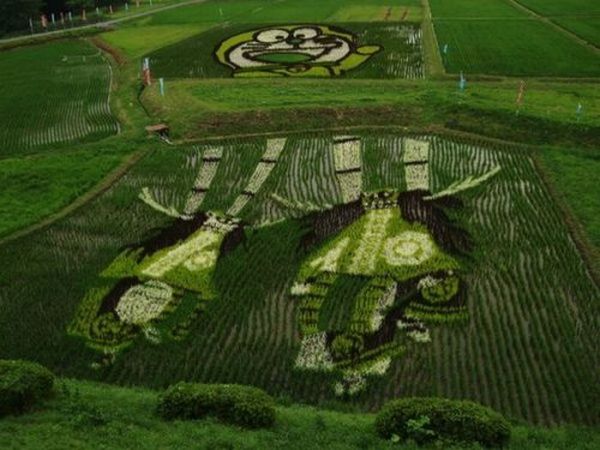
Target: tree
pixel 15 14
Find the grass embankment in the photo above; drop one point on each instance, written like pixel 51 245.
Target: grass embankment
pixel 576 173
pixel 38 186
pixel 199 108
pixel 87 415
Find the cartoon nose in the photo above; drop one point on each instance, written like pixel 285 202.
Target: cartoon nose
pixel 294 40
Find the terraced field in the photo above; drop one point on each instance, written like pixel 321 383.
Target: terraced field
pixel 56 93
pixel 519 342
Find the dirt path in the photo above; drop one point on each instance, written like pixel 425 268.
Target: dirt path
pixel 99 25
pixel 554 25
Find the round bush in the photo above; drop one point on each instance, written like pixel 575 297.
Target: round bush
pixel 459 421
pixel 22 385
pixel 239 405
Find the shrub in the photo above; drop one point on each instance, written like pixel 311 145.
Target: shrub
pixel 22 385
pixel 239 405
pixel 458 421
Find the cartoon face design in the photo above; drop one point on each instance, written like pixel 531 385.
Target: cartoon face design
pixel 307 50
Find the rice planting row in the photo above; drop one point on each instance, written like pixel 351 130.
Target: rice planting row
pixel 352 267
pixel 56 93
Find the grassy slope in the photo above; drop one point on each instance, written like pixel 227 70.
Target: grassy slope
pixel 576 174
pixel 36 187
pixel 90 416
pixel 486 37
pixel 186 101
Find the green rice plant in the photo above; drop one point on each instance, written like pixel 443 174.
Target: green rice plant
pixel 485 38
pixel 57 93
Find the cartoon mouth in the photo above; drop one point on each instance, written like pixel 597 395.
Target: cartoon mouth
pixel 282 57
pixel 292 55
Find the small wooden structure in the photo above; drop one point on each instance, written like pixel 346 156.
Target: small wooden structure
pixel 161 129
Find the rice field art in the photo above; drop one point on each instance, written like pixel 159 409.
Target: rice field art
pixel 293 51
pixel 370 50
pixel 321 266
pixel 395 246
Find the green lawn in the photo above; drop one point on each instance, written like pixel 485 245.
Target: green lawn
pixel 575 173
pixel 91 416
pixel 37 186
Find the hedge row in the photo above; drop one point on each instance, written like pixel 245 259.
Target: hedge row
pixel 239 405
pixel 22 385
pixel 428 419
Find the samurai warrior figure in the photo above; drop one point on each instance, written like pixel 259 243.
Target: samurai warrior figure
pixel 381 267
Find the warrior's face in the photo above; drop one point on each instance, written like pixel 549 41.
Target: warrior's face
pixel 289 46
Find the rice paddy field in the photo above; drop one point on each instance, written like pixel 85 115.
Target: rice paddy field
pixel 579 17
pixel 353 202
pixel 70 104
pixel 486 38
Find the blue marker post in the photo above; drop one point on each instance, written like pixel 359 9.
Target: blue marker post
pixel 579 111
pixel 126 7
pixel 31 25
pixel 53 19
pixel 445 50
pixel 462 84
pixel 161 83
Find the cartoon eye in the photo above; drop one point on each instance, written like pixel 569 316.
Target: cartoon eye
pixel 306 33
pixel 272 36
